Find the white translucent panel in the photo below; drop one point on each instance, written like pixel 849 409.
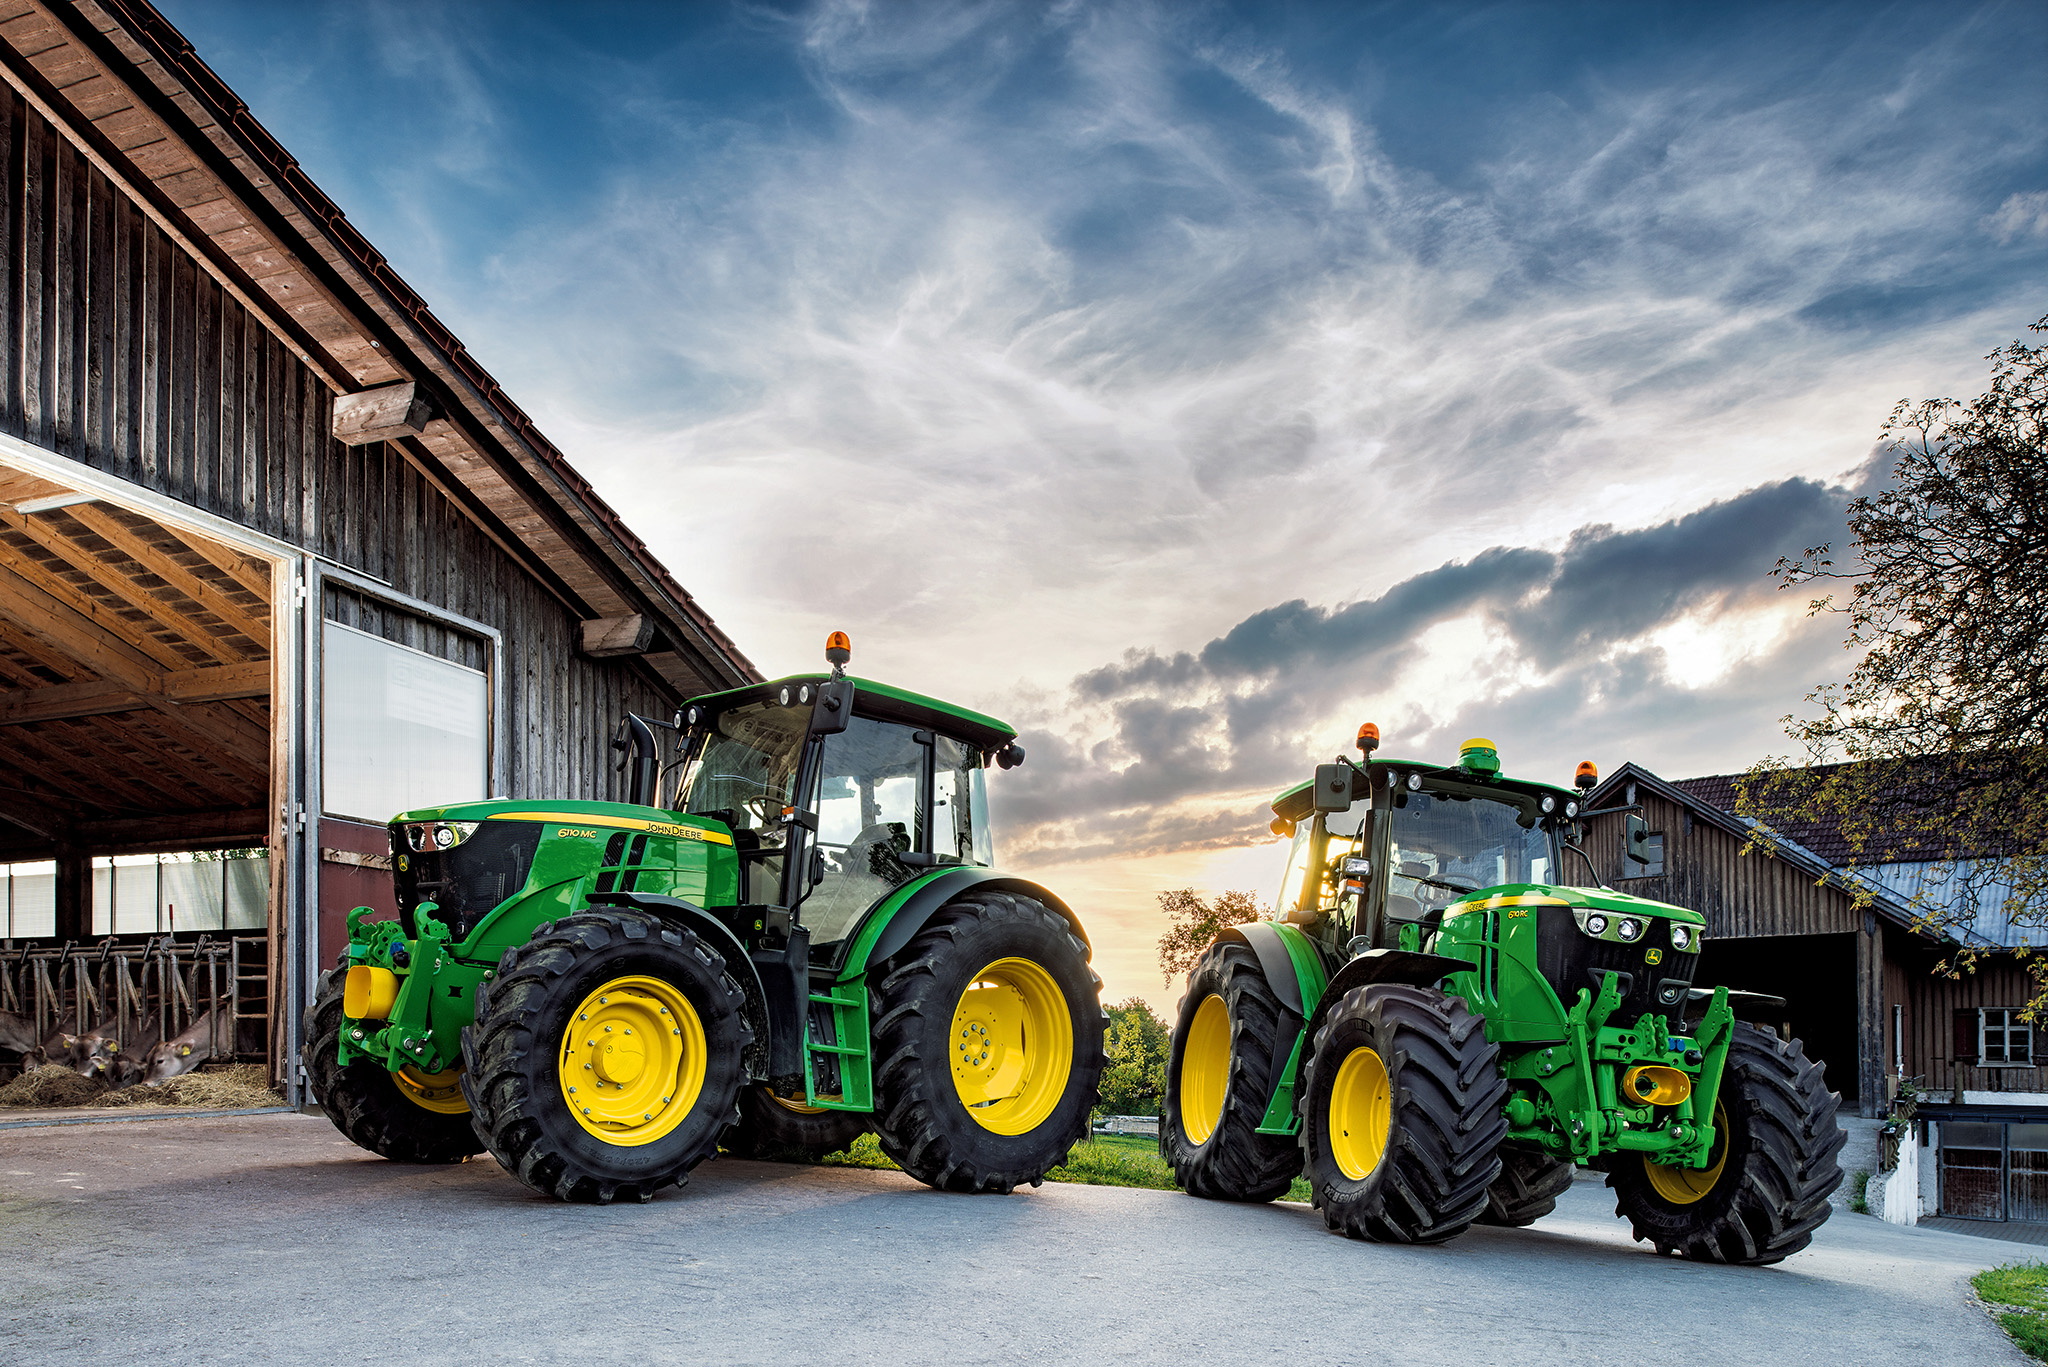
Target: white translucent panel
pixel 191 894
pixel 32 899
pixel 400 729
pixel 102 897
pixel 248 893
pixel 135 897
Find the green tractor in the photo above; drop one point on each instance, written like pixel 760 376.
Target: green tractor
pixel 600 994
pixel 1439 1027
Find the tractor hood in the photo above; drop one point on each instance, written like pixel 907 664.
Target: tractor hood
pixel 1589 899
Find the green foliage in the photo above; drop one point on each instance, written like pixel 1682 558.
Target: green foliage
pixel 864 1152
pixel 1935 748
pixel 1197 923
pixel 1135 1048
pixel 2025 1287
pixel 1858 1182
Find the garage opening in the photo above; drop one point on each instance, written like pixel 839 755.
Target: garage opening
pixel 1816 975
pixel 138 758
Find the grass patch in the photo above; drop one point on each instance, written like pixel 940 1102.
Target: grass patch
pixel 1107 1160
pixel 1858 1180
pixel 2024 1288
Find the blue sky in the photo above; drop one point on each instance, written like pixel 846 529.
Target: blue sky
pixel 1190 382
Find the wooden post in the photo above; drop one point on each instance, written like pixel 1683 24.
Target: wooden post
pixel 74 894
pixel 1869 1016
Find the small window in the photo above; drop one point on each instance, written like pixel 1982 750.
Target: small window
pixel 2004 1039
pixel 400 729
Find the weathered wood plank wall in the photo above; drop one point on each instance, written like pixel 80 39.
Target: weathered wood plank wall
pixel 1705 869
pixel 121 352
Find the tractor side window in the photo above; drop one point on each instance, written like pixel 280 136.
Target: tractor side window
pixel 744 776
pixel 870 810
pixel 959 804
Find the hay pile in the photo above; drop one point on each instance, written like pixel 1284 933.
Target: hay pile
pixel 51 1085
pixel 216 1087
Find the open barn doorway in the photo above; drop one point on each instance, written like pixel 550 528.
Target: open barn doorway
pixel 142 785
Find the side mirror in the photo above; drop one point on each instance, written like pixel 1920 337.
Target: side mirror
pixel 1333 787
pixel 834 707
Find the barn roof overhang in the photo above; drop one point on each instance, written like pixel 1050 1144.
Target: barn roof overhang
pixel 128 89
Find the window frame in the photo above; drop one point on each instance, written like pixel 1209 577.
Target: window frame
pixel 2008 1022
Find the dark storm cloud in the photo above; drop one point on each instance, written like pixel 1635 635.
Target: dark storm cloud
pixel 1237 714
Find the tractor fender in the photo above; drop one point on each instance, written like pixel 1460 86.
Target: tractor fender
pixel 1282 962
pixel 906 918
pixel 1386 966
pixel 737 962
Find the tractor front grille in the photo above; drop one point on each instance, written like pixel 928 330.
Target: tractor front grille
pixel 469 881
pixel 1570 960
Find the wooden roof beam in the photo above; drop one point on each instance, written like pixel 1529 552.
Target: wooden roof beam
pixel 96 566
pixel 62 702
pixel 159 563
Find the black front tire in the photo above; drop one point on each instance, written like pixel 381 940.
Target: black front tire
pixel 1527 1189
pixel 514 1048
pixel 1233 1069
pixel 365 1103
pixel 1441 1096
pixel 770 1130
pixel 1777 1151
pixel 921 1117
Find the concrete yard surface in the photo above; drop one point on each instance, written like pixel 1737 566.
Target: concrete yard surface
pixel 271 1239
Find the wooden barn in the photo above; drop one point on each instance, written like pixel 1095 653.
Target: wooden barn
pixel 278 558
pixel 1866 990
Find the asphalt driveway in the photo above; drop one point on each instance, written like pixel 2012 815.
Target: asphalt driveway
pixel 269 1238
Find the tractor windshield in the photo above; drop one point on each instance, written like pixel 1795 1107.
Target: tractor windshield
pixel 747 767
pixel 1445 846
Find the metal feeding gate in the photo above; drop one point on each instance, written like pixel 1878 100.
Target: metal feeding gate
pixel 156 987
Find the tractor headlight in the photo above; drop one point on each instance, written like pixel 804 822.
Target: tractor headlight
pixel 785 695
pixel 1414 783
pixel 1628 928
pixel 1571 809
pixel 1681 937
pixel 429 836
pixel 1549 804
pixel 1596 925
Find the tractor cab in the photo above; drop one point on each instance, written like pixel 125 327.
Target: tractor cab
pixel 839 791
pixel 1382 850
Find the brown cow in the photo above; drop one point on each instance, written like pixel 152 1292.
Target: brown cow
pixel 212 1032
pixel 17 1037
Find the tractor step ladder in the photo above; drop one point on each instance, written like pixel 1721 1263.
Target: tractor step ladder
pixel 848 1002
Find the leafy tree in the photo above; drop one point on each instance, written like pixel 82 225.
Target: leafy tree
pixel 1935 748
pixel 1197 923
pixel 1135 1048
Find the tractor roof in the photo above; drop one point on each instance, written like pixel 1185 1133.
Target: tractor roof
pixel 1295 804
pixel 884 701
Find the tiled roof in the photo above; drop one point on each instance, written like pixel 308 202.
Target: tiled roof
pixel 1923 783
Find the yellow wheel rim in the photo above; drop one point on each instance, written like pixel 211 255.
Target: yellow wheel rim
pixel 1361 1114
pixel 440 1091
pixel 633 1060
pixel 1012 1045
pixel 1205 1070
pixel 1683 1186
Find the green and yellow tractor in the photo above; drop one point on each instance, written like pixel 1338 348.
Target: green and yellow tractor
pixel 601 993
pixel 1440 1025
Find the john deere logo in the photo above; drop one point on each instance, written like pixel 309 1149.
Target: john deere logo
pixel 1654 956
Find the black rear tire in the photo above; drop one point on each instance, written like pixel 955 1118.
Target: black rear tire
pixel 770 1130
pixel 1778 1153
pixel 365 1103
pixel 1527 1189
pixel 1231 1161
pixel 922 1118
pixel 1424 1177
pixel 514 1049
